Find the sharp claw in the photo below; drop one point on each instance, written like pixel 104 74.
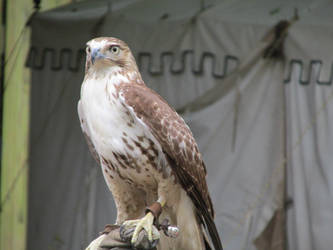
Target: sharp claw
pixel 150 235
pixel 135 237
pixel 149 232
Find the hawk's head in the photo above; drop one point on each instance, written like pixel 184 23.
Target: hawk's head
pixel 107 52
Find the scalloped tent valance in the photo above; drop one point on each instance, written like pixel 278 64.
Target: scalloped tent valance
pixel 171 39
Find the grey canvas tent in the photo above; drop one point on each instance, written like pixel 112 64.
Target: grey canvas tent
pixel 262 125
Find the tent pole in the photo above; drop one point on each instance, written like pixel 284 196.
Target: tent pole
pixel 14 171
pixel 15 121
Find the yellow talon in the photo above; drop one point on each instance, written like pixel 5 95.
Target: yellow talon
pixel 145 223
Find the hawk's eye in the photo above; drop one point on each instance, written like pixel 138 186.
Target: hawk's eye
pixel 114 49
pixel 88 50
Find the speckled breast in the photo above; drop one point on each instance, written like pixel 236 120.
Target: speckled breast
pixel 127 149
pixel 140 165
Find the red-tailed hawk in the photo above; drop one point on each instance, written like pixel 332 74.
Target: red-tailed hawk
pixel 147 152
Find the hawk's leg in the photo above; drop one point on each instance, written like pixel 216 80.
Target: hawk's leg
pixel 146 223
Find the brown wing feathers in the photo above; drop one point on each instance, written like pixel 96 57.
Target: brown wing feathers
pixel 180 147
pixel 204 215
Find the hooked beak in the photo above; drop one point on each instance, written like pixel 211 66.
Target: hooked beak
pixel 96 54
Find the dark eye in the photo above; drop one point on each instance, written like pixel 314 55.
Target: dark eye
pixel 88 50
pixel 114 49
